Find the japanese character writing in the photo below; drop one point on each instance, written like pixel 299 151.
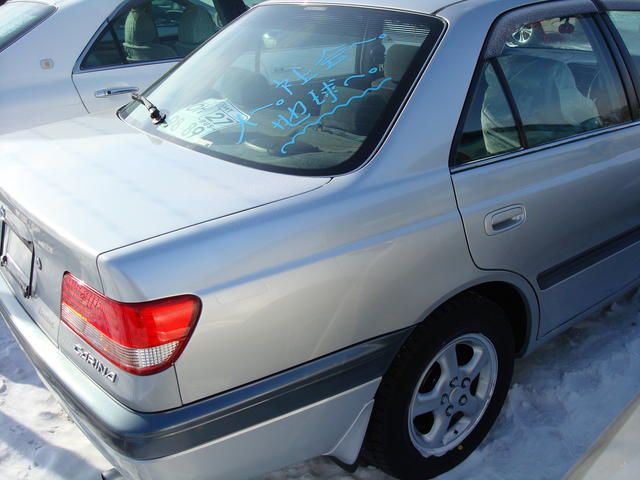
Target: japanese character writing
pixel 279 103
pixel 333 56
pixel 285 85
pixel 330 91
pixel 304 77
pixel 379 37
pixel 243 122
pixel 319 120
pixel 298 114
pixel 318 100
pixel 352 77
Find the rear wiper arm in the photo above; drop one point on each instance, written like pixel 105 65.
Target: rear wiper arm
pixel 155 114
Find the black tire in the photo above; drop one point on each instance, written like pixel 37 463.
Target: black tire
pixel 388 444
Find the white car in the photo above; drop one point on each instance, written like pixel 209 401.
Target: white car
pixel 64 58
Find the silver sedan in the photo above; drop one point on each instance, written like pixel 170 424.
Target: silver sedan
pixel 330 231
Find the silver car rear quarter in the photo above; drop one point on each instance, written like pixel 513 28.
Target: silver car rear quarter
pixel 206 440
pixel 283 285
pixel 369 253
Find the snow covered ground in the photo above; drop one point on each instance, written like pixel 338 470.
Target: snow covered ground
pixel 563 397
pixel 615 455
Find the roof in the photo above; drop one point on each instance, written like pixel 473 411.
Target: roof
pixel 420 6
pixel 65 3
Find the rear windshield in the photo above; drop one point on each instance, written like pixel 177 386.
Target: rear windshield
pixel 299 89
pixel 17 18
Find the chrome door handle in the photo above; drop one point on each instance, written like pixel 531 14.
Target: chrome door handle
pixel 505 219
pixel 110 92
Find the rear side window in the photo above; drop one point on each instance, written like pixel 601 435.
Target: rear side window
pixel 562 82
pixel 152 31
pixel 16 19
pixel 628 24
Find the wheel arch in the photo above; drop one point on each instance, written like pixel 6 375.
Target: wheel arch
pixel 510 292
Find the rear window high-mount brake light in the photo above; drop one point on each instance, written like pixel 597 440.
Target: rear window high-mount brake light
pixel 140 338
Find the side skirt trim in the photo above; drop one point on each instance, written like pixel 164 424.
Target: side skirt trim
pixel 567 269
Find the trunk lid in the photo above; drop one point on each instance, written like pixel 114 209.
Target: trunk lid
pixel 82 187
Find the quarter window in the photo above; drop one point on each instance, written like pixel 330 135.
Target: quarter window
pixel 105 51
pixel 490 128
pixel 562 81
pixel 628 24
pixel 155 30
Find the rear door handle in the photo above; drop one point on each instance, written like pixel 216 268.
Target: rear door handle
pixel 505 219
pixel 110 92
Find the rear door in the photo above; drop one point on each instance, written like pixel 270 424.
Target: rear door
pixel 138 45
pixel 547 162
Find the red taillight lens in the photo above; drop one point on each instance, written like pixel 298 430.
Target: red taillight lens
pixel 141 338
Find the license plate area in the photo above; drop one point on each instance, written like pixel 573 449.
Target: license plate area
pixel 17 258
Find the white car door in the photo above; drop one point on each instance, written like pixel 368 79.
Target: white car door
pixel 138 45
pixel 112 88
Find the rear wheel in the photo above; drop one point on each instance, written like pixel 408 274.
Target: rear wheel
pixel 443 391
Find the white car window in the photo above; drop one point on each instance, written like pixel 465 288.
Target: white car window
pixel 153 31
pixel 18 18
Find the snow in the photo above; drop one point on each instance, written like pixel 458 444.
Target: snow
pixel 615 455
pixel 563 398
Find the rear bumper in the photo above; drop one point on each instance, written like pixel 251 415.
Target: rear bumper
pixel 318 408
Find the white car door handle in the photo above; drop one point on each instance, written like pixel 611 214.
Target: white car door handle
pixel 505 219
pixel 109 92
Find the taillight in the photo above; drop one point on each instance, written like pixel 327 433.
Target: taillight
pixel 141 338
